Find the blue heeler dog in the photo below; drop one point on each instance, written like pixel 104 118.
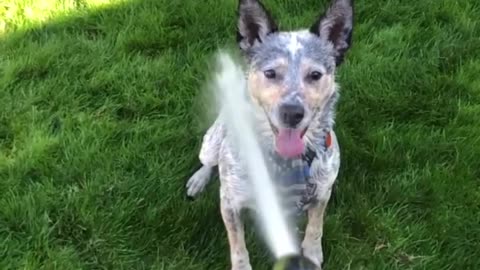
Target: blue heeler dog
pixel 291 82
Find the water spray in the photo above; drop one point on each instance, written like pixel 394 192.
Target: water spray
pixel 230 89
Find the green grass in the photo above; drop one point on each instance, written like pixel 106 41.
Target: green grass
pixel 98 135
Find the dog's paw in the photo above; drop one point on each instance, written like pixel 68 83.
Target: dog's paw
pixel 196 184
pixel 314 253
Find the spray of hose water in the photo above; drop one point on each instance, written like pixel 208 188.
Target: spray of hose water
pixel 230 90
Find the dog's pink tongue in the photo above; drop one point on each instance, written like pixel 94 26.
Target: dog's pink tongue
pixel 289 143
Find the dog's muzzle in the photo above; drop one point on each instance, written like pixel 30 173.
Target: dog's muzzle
pixel 291 114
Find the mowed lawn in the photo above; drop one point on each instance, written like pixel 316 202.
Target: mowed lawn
pixel 100 129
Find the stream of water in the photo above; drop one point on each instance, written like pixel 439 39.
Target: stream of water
pixel 229 88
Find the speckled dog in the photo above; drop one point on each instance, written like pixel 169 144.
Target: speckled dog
pixel 291 83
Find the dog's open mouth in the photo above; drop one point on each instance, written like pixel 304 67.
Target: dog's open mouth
pixel 288 141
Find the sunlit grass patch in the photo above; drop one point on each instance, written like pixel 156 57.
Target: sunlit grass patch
pixel 26 14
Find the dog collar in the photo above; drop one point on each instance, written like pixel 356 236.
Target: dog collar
pixel 328 140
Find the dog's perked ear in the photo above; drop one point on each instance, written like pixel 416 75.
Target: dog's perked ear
pixel 254 23
pixel 336 26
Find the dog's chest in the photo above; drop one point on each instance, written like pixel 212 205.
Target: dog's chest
pixel 296 179
pixel 292 178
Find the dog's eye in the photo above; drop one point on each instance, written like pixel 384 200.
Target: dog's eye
pixel 315 76
pixel 270 74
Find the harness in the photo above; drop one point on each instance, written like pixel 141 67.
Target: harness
pixel 298 191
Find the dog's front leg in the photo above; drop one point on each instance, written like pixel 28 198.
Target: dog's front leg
pixel 324 171
pixel 236 234
pixel 312 243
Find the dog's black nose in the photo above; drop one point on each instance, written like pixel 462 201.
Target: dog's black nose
pixel 291 114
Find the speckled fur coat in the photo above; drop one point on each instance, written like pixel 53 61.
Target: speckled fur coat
pixel 296 67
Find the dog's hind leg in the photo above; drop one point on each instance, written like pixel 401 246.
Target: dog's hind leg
pixel 199 180
pixel 208 157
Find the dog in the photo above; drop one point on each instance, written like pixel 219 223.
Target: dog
pixel 291 83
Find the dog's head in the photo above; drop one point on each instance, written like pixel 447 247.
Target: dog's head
pixel 291 74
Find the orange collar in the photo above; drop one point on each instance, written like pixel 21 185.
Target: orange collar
pixel 328 140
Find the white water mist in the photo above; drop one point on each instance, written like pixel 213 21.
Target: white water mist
pixel 229 89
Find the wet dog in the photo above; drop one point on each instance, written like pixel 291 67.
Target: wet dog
pixel 291 84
